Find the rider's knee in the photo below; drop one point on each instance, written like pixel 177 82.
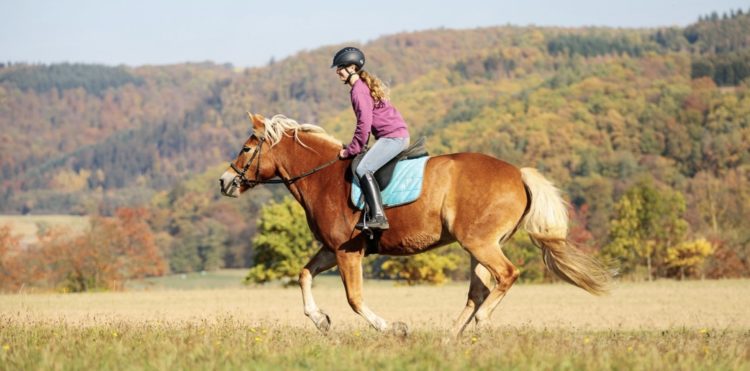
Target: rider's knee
pixel 361 170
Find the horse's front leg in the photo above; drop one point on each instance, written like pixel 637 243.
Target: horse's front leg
pixel 322 261
pixel 350 266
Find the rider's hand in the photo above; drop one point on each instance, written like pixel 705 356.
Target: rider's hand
pixel 342 154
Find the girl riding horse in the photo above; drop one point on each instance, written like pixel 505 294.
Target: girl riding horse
pixel 376 115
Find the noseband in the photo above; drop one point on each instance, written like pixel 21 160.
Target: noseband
pixel 241 179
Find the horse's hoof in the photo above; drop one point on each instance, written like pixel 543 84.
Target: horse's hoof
pixel 324 323
pixel 400 329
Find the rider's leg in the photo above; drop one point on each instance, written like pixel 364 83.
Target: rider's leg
pixel 383 151
pixel 371 191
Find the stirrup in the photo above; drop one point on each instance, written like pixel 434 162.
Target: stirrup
pixel 379 223
pixel 367 224
pixel 371 224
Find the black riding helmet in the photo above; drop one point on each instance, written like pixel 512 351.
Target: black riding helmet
pixel 347 56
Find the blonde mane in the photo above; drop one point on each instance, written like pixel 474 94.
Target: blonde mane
pixel 278 126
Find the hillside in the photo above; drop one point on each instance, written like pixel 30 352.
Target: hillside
pixel 596 109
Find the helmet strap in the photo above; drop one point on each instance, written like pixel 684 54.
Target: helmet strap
pixel 348 78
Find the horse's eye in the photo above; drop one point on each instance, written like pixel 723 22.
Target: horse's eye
pixel 246 149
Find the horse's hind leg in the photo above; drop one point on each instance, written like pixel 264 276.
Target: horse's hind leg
pixel 322 261
pixel 491 257
pixel 481 283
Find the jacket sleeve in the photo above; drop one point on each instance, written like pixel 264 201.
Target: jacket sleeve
pixel 363 106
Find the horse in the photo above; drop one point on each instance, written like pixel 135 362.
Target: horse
pixel 470 198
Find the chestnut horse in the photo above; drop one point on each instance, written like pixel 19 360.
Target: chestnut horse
pixel 471 198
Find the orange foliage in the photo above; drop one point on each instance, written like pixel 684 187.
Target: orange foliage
pixel 10 278
pixel 110 252
pixel 579 233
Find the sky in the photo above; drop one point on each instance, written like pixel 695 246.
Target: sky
pixel 250 33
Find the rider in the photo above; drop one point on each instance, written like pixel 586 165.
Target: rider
pixel 375 115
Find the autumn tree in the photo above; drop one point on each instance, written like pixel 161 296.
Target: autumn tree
pixel 432 267
pixel 688 257
pixel 10 267
pixel 102 258
pixel 647 221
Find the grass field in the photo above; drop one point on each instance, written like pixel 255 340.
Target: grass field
pixel 27 226
pixel 660 325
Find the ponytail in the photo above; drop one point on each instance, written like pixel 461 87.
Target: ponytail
pixel 378 90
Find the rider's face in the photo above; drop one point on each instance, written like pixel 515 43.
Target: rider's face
pixel 343 72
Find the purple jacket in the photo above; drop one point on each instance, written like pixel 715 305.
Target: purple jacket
pixel 382 119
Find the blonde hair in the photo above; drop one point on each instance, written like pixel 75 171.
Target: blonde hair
pixel 378 90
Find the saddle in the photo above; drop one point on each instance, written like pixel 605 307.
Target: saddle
pixel 384 175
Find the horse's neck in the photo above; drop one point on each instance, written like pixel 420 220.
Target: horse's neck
pixel 298 160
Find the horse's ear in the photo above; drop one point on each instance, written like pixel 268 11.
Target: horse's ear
pixel 258 121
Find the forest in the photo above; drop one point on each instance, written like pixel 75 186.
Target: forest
pixel 647 131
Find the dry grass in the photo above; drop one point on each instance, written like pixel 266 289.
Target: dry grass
pixel 661 325
pixel 26 226
pixel 631 306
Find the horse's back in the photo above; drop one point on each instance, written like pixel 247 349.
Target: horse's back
pixel 475 168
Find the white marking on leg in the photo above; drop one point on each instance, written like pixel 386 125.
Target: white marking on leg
pixel 311 308
pixel 375 321
pixel 323 260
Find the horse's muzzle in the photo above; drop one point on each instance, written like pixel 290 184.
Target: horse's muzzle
pixel 228 185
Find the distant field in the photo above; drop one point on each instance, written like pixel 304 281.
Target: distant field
pixel 27 225
pixel 221 279
pixel 660 325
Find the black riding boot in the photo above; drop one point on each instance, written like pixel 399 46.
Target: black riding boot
pixel 371 190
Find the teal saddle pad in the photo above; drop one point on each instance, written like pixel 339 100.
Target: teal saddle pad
pixel 405 185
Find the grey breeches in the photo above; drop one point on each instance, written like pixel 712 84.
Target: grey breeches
pixel 381 152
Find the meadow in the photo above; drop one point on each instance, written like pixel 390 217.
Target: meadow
pixel 172 323
pixel 27 226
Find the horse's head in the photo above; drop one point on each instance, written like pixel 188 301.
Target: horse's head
pixel 252 165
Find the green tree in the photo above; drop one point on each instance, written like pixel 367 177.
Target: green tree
pixel 201 248
pixel 283 243
pixel 647 222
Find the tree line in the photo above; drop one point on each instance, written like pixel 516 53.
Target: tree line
pixel 601 111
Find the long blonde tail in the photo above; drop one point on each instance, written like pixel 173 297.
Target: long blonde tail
pixel 546 222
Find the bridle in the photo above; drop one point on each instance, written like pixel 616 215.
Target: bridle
pixel 240 178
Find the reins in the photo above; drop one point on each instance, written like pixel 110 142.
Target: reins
pixel 240 179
